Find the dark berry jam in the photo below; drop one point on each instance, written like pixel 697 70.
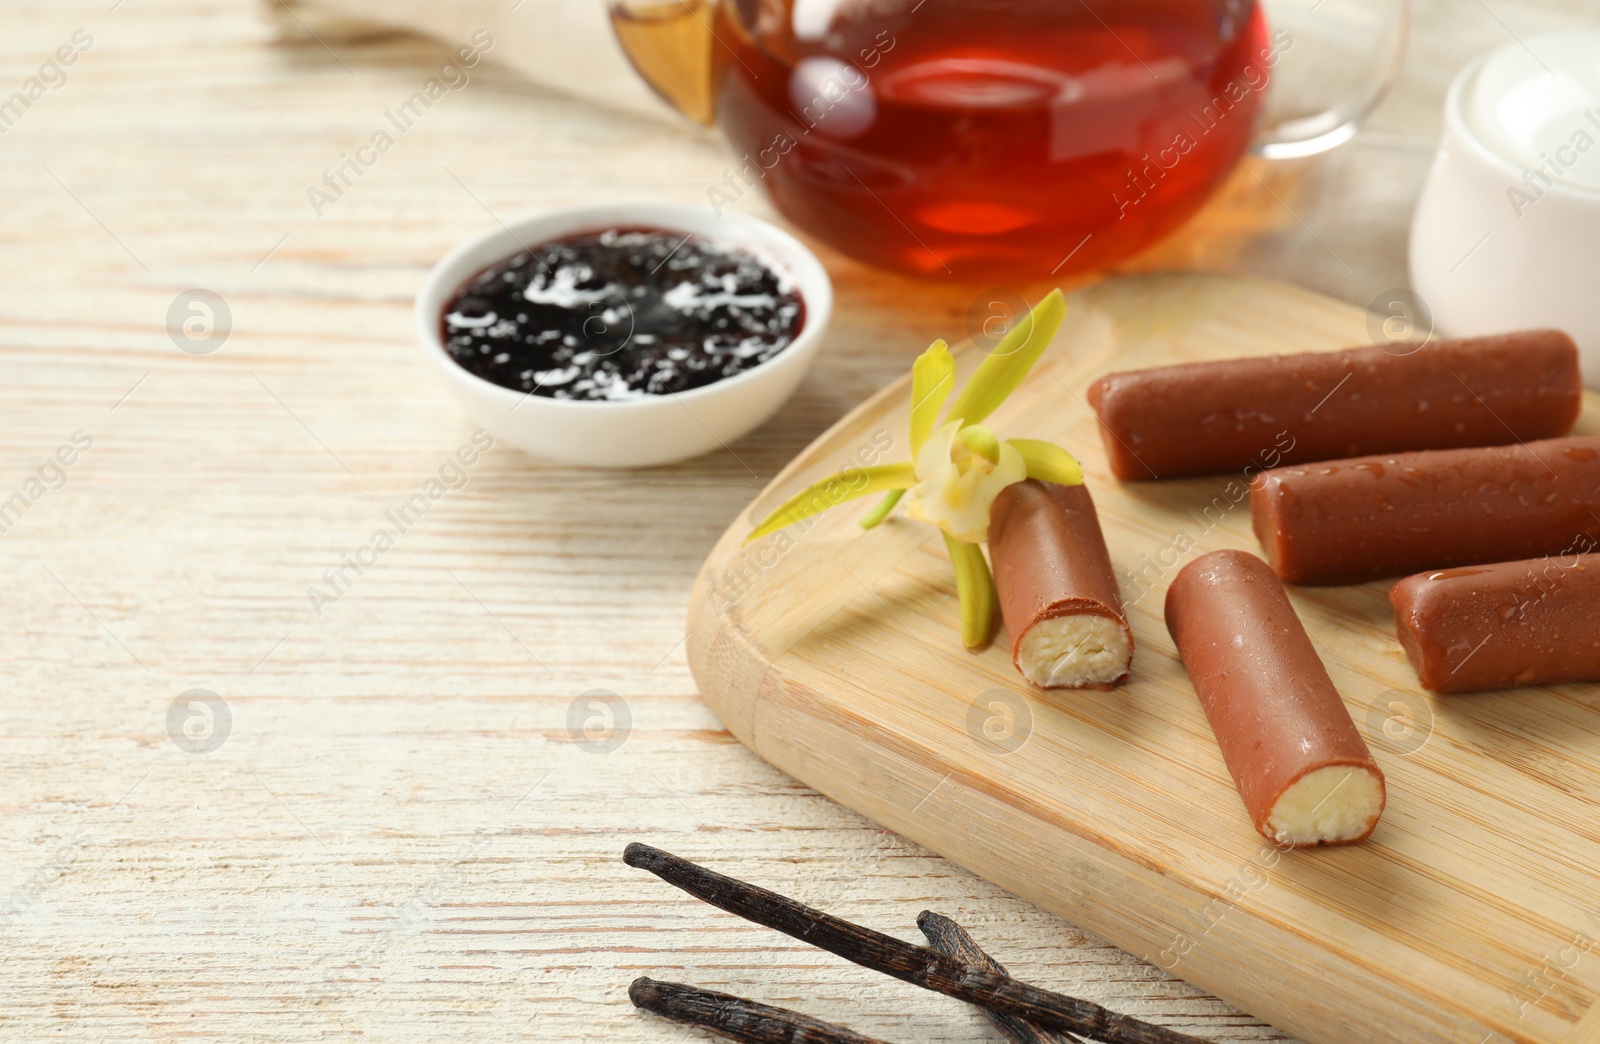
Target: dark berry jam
pixel 620 314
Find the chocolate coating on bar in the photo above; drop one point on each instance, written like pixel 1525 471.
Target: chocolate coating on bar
pixel 1050 562
pixel 1533 622
pixel 1273 708
pixel 1348 521
pixel 1205 418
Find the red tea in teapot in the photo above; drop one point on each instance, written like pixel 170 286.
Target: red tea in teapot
pixel 983 139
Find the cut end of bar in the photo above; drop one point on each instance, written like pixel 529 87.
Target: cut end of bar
pixel 1328 806
pixel 1081 650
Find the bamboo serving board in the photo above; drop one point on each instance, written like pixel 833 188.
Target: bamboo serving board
pixel 1473 913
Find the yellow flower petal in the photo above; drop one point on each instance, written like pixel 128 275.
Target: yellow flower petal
pixel 981 441
pixel 833 491
pixel 935 455
pixel 1000 374
pixel 975 589
pixel 1048 462
pixel 876 516
pixel 933 375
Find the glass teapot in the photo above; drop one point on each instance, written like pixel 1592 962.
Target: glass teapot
pixel 984 139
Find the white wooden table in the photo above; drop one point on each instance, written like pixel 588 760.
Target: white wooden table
pixel 391 832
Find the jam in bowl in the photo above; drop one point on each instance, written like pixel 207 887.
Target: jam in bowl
pixel 621 313
pixel 624 335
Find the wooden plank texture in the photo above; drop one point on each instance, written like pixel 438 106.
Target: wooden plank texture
pixel 400 838
pixel 833 653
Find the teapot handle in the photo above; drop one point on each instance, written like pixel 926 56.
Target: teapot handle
pixel 674 47
pixel 1330 63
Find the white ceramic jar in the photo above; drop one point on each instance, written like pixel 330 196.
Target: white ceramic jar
pixel 1507 233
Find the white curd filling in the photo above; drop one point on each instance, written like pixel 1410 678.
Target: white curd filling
pixel 1074 651
pixel 1336 803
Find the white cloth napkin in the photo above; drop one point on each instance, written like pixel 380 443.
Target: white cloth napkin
pixel 565 45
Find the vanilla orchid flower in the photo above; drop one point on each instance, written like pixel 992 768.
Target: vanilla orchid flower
pixel 959 473
pixel 959 467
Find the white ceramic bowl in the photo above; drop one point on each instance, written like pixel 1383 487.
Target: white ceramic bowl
pixel 653 429
pixel 1494 248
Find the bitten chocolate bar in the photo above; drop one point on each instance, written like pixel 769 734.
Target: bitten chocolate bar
pixel 1534 622
pixel 1347 521
pixel 1301 767
pixel 1205 418
pixel 1058 594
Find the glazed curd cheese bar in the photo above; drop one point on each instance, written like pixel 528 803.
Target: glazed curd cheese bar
pixel 1301 767
pixel 1238 414
pixel 1058 594
pixel 1349 521
pixel 1533 622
